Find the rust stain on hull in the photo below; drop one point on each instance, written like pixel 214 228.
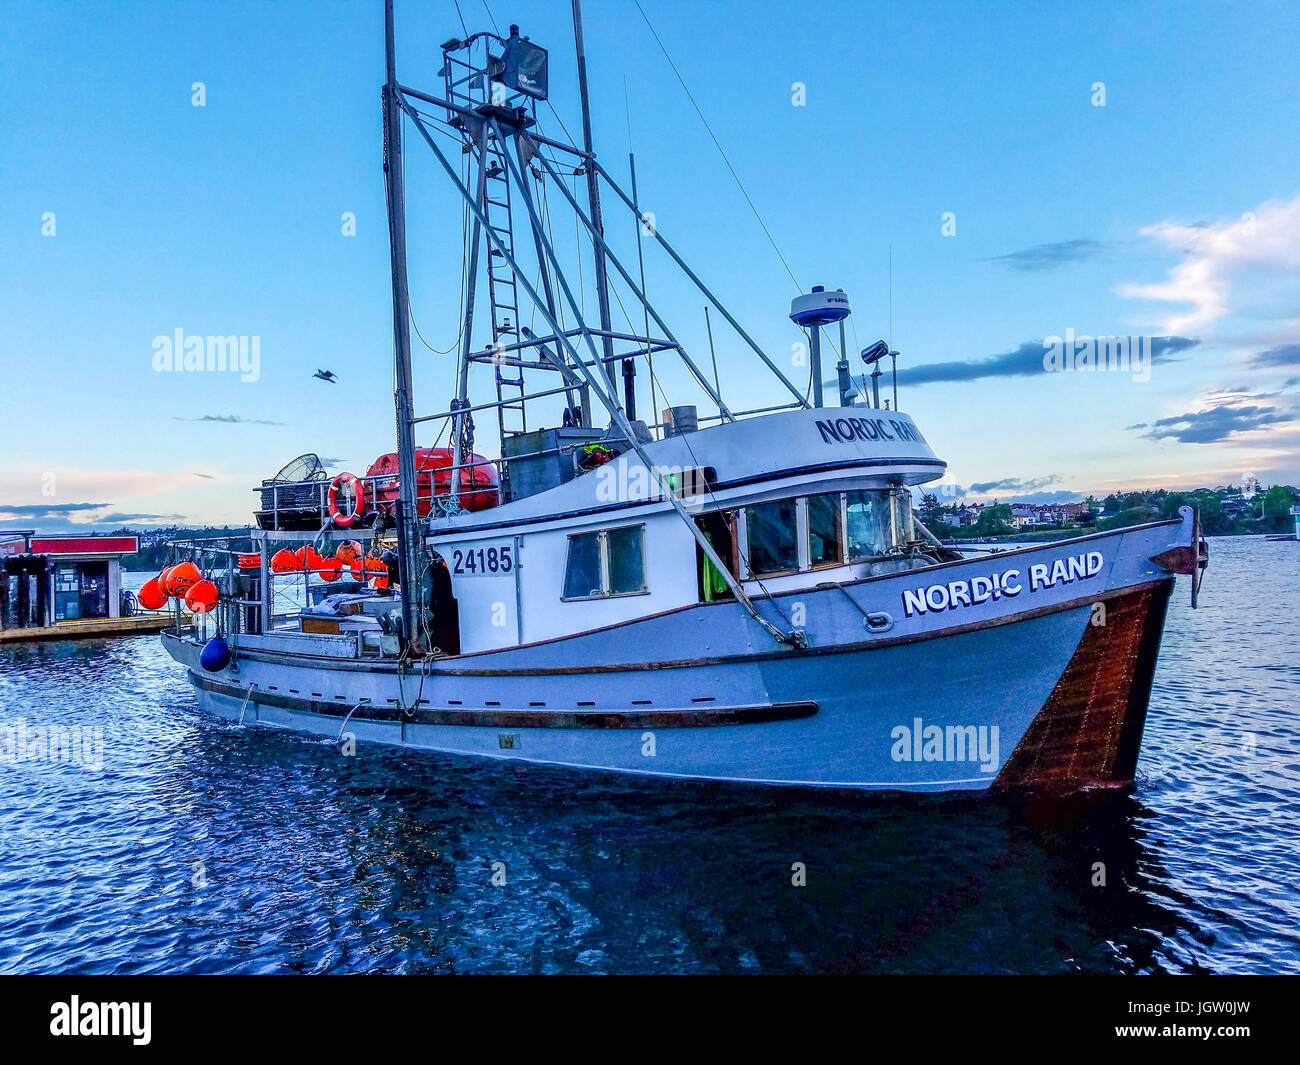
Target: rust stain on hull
pixel 1089 730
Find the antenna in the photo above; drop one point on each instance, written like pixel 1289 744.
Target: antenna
pixel 717 385
pixel 598 226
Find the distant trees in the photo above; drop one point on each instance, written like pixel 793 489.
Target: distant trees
pixel 995 520
pixel 160 553
pixel 1275 507
pixel 1224 511
pixel 931 511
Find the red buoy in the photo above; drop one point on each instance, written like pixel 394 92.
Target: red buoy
pixel 283 561
pixel 183 577
pixel 151 597
pixel 202 597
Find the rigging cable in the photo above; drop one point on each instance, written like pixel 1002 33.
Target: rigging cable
pixel 464 261
pixel 717 145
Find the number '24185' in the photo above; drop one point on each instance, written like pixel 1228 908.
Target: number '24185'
pixel 482 561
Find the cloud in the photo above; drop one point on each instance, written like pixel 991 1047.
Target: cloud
pixel 48 510
pixel 1285 355
pixel 227 419
pixel 1217 423
pixel 332 462
pixel 119 517
pixel 1024 361
pixel 1059 496
pixel 28 483
pixel 1014 484
pixel 1264 243
pixel 1050 256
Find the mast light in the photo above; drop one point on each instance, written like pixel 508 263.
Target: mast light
pixel 523 66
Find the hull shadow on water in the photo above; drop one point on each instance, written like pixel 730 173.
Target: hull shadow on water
pixel 354 869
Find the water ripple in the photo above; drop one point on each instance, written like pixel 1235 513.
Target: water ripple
pixel 204 847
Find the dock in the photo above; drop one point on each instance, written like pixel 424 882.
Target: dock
pixel 97 627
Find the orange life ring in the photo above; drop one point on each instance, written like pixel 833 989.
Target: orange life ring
pixel 346 521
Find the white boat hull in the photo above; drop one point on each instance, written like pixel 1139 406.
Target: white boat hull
pixel 1027 690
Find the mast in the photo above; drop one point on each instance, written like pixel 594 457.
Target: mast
pixel 593 197
pixel 408 518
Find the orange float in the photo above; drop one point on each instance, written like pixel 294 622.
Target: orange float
pixel 181 578
pixel 330 569
pixel 162 580
pixel 150 596
pixel 202 597
pixel 348 552
pixel 369 569
pixel 284 561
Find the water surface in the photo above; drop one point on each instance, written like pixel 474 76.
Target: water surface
pixel 206 847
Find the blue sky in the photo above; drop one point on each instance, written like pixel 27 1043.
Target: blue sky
pixel 1172 211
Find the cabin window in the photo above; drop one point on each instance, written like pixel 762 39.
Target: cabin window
pixel 626 550
pixel 582 569
pixel 870 524
pixel 825 538
pixel 772 538
pixel 606 563
pixel 878 521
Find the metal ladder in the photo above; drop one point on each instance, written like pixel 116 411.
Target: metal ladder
pixel 503 294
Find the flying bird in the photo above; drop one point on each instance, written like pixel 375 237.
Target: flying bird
pixel 326 375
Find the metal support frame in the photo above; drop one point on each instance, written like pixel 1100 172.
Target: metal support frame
pixel 467 325
pixel 610 402
pixel 704 289
pixel 627 278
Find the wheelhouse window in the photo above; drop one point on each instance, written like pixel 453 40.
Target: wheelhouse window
pixel 878 521
pixel 606 563
pixel 825 536
pixel 821 531
pixel 772 538
pixel 870 531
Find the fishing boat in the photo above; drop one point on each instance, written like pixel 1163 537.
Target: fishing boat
pixel 711 593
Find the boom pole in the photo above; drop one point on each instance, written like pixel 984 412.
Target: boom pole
pixel 408 517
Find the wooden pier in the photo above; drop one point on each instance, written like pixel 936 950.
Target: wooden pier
pixel 98 627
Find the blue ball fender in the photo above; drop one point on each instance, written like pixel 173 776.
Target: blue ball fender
pixel 215 655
